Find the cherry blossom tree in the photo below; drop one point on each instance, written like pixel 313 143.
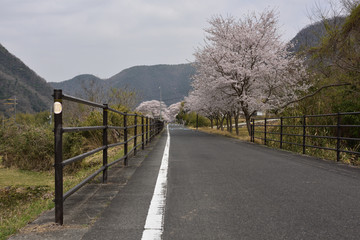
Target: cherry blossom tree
pixel 152 109
pixel 208 102
pixel 173 111
pixel 245 62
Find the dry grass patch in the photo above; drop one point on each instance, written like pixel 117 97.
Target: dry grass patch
pixel 243 133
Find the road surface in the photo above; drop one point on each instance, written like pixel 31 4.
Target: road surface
pixel 222 188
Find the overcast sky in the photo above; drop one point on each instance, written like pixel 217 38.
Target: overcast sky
pixel 60 39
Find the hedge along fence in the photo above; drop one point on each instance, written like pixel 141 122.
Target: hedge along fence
pixel 140 132
pixel 335 132
pixel 27 147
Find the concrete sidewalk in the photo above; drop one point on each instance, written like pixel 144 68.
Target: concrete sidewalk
pixel 84 208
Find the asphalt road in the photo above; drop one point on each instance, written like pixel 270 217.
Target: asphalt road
pixel 221 188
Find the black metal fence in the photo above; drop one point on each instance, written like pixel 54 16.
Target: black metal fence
pixel 339 132
pixel 149 128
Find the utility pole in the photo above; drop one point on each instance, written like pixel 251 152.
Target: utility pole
pixel 50 115
pixel 12 103
pixel 15 103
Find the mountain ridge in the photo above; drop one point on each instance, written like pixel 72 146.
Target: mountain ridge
pixel 32 92
pixel 174 80
pixel 312 34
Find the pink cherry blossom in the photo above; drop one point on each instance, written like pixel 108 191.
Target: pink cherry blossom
pixel 244 66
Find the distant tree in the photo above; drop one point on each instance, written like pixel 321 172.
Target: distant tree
pixel 174 110
pixel 350 5
pixel 93 91
pixel 152 109
pixel 332 9
pixel 124 97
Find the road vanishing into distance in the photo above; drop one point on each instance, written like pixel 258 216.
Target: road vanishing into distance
pixel 213 187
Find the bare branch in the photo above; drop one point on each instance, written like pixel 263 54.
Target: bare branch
pixel 314 93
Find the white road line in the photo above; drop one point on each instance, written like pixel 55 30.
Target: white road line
pixel 154 224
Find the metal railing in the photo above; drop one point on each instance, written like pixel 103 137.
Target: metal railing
pixel 299 130
pixel 149 128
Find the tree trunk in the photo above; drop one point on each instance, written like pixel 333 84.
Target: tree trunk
pixel 227 123
pixel 222 123
pixel 236 116
pixel 230 121
pixel 211 123
pixel 248 120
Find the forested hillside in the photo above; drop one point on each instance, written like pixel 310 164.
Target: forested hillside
pixel 174 81
pixel 334 61
pixel 84 86
pixel 32 92
pixel 311 35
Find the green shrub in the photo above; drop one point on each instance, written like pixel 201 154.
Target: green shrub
pixel 27 147
pixel 37 119
pixel 190 120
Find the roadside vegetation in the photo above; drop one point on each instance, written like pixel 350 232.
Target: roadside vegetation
pixel 243 134
pixel 27 158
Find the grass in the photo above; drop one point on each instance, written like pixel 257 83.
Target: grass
pixel 25 207
pixel 243 133
pixel 23 196
pixel 14 177
pixel 350 159
pixel 347 158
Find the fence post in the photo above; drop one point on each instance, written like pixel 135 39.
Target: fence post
pixel 197 121
pixel 253 130
pixel 304 133
pixel 156 122
pixel 125 140
pixel 265 131
pixel 105 142
pixel 147 130
pixel 338 135
pixel 151 129
pixel 135 134
pixel 149 137
pixel 59 201
pixel 142 133
pixel 281 132
pixel 157 127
